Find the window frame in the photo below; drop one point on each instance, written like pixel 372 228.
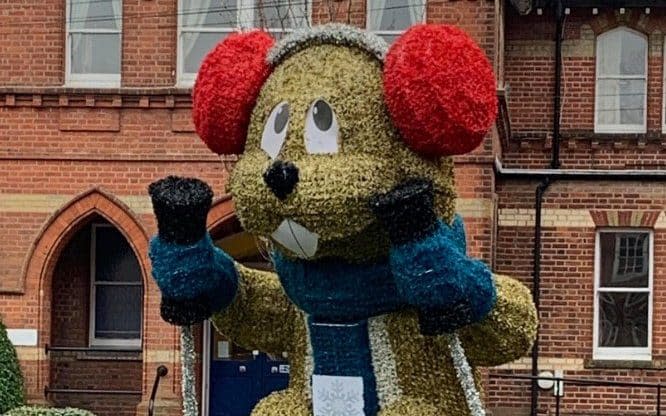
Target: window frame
pixel 244 13
pixel 134 343
pixel 620 128
pixel 91 79
pixel 382 33
pixel 622 353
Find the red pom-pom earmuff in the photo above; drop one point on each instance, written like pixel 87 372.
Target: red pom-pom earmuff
pixel 440 90
pixel 226 89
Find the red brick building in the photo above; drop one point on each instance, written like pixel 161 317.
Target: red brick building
pixel 95 105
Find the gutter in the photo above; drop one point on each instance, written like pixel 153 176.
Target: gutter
pixel 581 174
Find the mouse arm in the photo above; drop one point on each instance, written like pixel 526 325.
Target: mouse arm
pixel 195 277
pixel 428 260
pixel 260 316
pixel 507 332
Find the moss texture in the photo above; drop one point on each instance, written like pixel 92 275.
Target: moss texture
pixel 426 381
pixel 333 192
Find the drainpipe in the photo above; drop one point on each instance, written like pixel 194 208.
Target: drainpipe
pixel 559 27
pixel 536 285
pixel 541 190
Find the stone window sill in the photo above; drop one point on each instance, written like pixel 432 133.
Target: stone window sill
pixel 625 364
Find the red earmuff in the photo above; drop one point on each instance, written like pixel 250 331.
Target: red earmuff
pixel 440 90
pixel 226 89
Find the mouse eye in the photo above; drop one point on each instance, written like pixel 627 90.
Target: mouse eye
pixel 275 130
pixel 321 129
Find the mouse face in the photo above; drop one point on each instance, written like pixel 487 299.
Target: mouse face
pixel 330 117
pixel 320 143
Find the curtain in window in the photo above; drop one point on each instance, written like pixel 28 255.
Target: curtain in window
pixel 621 78
pixel 416 10
pixel 81 45
pixel 376 13
pixel 194 15
pixel 95 36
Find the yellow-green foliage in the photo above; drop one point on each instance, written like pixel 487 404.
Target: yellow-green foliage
pixel 425 373
pixel 47 411
pixel 331 198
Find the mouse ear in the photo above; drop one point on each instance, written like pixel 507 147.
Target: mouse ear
pixel 226 89
pixel 440 90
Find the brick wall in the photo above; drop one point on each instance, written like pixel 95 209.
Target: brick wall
pixel 571 217
pixel 530 52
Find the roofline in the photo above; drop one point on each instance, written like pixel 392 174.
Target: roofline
pixel 526 6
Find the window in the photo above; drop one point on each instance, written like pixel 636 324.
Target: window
pixel 389 18
pixel 116 295
pixel 93 43
pixel 621 91
pixel 623 295
pixel 203 23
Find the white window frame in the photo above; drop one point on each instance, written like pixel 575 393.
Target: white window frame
pixel 244 14
pixel 620 128
pixel 90 80
pixel 381 33
pixel 106 342
pixel 622 353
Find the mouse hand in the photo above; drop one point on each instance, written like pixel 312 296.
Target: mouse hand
pixel 407 211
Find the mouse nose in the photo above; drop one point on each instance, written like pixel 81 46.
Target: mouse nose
pixel 281 178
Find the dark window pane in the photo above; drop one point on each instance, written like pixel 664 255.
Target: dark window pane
pixel 118 311
pixel 624 259
pixel 623 319
pixel 114 258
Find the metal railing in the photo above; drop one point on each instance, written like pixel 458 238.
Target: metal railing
pixel 161 372
pixel 48 390
pixel 562 381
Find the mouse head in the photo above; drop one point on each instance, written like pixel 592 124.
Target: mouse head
pixel 329 116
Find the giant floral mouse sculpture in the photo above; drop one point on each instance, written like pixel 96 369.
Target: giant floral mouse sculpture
pixel 344 165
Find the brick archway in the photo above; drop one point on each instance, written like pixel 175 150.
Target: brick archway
pixel 54 236
pixel 221 211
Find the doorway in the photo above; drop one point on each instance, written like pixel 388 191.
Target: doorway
pixel 235 379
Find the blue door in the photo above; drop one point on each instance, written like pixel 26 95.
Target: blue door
pixel 240 378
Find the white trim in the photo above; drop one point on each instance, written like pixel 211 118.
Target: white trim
pixel 622 353
pixel 620 128
pixel 244 15
pixel 382 33
pixel 105 342
pixel 383 361
pixel 91 80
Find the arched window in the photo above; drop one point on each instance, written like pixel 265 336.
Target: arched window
pixel 621 87
pixel 116 291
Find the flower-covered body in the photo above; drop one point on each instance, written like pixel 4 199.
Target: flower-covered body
pixel 372 274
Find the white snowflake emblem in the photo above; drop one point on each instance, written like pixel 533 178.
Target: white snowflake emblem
pixel 337 396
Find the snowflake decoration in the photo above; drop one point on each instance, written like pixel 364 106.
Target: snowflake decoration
pixel 338 400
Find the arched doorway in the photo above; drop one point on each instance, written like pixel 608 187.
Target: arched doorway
pixel 96 322
pixel 59 263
